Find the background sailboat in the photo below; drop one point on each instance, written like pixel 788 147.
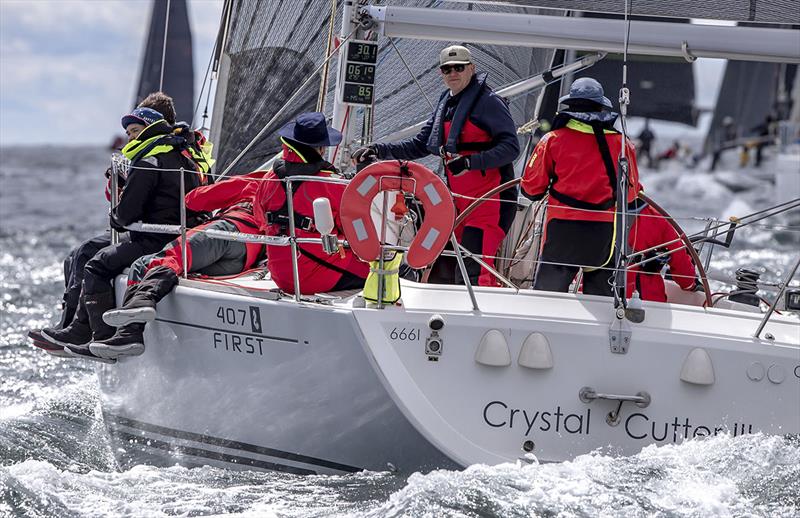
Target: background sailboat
pixel 175 75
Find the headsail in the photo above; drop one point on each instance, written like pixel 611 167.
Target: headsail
pixel 178 72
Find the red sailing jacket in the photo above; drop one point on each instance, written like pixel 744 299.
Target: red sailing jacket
pixel 651 229
pixel 318 271
pixel 234 196
pixel 568 160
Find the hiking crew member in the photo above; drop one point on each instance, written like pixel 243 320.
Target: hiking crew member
pixel 151 195
pixel 318 271
pixel 154 276
pixel 651 229
pixel 576 165
pixel 76 260
pixel 472 130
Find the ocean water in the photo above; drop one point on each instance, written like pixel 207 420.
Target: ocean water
pixel 56 459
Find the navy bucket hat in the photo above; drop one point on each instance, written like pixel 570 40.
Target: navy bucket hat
pixel 312 130
pixel 586 89
pixel 143 116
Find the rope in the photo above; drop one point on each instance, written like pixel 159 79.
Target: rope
pixel 164 49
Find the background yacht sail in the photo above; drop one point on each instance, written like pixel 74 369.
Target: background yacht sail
pixel 749 93
pixel 273 46
pixel 178 64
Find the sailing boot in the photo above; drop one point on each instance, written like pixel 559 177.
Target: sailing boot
pixel 129 315
pixel 94 305
pixel 78 332
pixel 127 341
pixel 40 341
pixel 69 304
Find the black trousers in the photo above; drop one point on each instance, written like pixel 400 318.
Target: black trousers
pixel 569 244
pixel 75 263
pixel 111 260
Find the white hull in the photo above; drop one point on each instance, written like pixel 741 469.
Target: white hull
pixel 294 394
pixel 332 388
pixel 484 414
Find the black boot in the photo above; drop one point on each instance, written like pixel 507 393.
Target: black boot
pixel 97 304
pixel 78 332
pixel 69 304
pixel 40 341
pixel 127 341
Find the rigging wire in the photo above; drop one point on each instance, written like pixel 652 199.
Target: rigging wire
pixel 164 49
pixel 323 80
pixel 391 40
pixel 619 281
pixel 208 81
pixel 283 108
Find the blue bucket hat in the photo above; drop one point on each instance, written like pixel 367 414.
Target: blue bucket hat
pixel 143 116
pixel 588 89
pixel 312 130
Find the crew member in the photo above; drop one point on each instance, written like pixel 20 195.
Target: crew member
pixel 303 140
pixel 472 130
pixel 153 277
pixel 151 195
pixel 78 256
pixel 576 165
pixel 649 230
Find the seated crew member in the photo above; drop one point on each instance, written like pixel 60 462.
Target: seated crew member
pixel 152 195
pixel 154 276
pixel 576 165
pixel 304 139
pixel 472 130
pixel 651 229
pixel 76 259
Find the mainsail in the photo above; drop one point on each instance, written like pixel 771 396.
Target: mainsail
pixel 273 46
pixel 178 67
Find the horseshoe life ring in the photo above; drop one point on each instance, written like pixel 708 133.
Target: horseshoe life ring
pixel 407 177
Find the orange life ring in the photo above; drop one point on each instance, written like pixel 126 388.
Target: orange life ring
pixel 407 177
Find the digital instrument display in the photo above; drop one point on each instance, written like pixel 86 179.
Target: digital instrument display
pixel 359 73
pixel 357 94
pixel 362 51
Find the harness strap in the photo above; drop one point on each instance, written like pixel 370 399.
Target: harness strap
pixel 608 162
pixel 321 262
pixel 474 146
pixel 611 170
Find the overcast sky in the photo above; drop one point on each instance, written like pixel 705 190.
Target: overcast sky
pixel 68 68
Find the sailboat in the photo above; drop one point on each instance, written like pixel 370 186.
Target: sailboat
pixel 238 374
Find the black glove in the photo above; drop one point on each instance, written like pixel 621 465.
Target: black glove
pixel 364 154
pixel 458 165
pixel 698 286
pixel 116 225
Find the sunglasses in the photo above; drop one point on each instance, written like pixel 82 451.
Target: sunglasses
pixel 446 69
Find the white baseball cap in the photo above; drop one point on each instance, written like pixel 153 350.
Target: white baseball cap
pixel 455 55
